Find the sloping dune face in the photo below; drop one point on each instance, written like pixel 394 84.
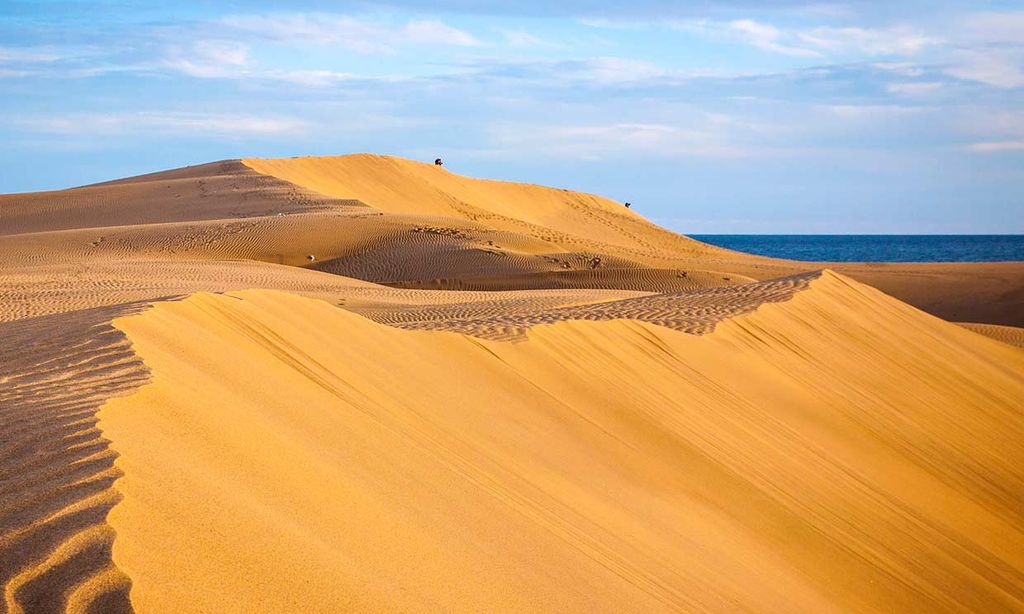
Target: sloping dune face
pixel 563 217
pixel 399 185
pixel 839 451
pixel 493 235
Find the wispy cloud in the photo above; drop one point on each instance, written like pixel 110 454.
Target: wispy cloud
pixel 1005 27
pixel 213 59
pixel 873 111
pixel 769 38
pixel 29 61
pixel 996 146
pixel 522 38
pixel 208 58
pixel 892 41
pixel 815 42
pixel 29 55
pixel 359 35
pixel 914 88
pixel 989 49
pixel 614 141
pixel 1000 67
pixel 230 125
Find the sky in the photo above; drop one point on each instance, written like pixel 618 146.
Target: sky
pixel 709 117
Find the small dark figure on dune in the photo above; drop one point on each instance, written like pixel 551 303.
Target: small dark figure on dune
pixel 438 162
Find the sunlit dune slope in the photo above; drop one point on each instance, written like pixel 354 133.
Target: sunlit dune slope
pixel 569 219
pixel 839 451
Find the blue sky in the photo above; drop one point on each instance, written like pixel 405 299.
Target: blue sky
pixel 759 117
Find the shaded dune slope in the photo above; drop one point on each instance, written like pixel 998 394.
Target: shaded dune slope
pixel 56 470
pixel 839 451
pixel 218 190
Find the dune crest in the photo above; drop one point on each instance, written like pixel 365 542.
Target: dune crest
pixel 839 451
pixel 398 185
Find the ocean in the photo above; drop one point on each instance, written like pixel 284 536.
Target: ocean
pixel 876 248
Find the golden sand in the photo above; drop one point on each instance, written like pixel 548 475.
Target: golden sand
pixel 830 453
pixel 226 388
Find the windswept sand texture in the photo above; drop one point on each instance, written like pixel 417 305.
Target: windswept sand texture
pixel 369 384
pixel 829 453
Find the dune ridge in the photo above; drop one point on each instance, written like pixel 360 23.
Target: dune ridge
pixel 775 464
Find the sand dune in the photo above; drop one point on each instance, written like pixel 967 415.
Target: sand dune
pixel 565 218
pixel 365 383
pixel 833 452
pixel 413 225
pixel 977 292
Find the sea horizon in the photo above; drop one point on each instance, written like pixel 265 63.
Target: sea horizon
pixel 875 247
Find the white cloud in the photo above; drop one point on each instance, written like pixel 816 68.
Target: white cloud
pixel 990 49
pixel 310 78
pixel 612 24
pixel 358 35
pixel 29 55
pixel 872 112
pixel 1001 67
pixel 905 69
pixel 429 31
pixel 618 70
pixel 207 59
pixel 996 146
pixel 818 42
pixel 897 40
pixel 522 38
pixel 19 62
pixel 995 27
pixel 230 60
pixel 608 141
pixel 914 88
pixel 162 122
pixel 769 38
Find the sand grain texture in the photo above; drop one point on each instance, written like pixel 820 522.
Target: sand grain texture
pixel 838 451
pixel 362 383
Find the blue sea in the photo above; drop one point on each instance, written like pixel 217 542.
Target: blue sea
pixel 876 248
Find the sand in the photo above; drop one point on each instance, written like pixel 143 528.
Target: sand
pixel 368 384
pixel 387 470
